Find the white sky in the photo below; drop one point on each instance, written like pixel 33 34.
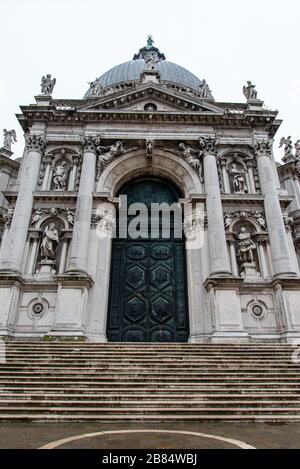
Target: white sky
pixel 227 42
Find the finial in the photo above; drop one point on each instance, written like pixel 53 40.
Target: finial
pixel 150 41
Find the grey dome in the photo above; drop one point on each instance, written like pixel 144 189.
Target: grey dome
pixel 131 71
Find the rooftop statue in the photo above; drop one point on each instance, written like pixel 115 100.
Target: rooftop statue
pixel 205 91
pixel 150 41
pixel 10 137
pixel 96 89
pixel 250 91
pixel 48 85
pixel 288 146
pixel 297 148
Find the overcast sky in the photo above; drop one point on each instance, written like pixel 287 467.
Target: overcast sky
pixel 227 42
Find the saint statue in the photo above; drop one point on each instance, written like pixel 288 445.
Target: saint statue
pixel 205 91
pixel 50 242
pixel 10 137
pixel 297 148
pixel 246 247
pixel 193 158
pixel 106 155
pixel 239 179
pixel 250 91
pixel 60 177
pixel 150 42
pixel 47 85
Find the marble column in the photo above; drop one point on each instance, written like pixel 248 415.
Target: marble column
pixel 82 226
pixel 17 235
pixel 281 255
pixel 219 258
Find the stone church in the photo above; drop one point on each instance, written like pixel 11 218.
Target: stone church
pixel 152 131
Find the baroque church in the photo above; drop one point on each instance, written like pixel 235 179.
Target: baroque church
pixel 150 130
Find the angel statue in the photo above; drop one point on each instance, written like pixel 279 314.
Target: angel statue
pixel 10 137
pixel 193 158
pixel 288 146
pixel 107 154
pixel 50 242
pixel 249 91
pixel 205 91
pixel 47 85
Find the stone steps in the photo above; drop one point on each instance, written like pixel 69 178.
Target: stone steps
pixel 71 381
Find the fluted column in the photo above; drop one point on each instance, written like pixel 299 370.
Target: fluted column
pixel 215 219
pixel 17 235
pixel 280 250
pixel 82 225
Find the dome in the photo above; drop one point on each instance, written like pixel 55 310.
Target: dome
pixel 130 72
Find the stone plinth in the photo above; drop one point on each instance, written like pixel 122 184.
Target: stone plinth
pixel 46 269
pixel 250 271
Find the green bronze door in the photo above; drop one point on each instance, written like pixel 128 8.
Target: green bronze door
pixel 148 297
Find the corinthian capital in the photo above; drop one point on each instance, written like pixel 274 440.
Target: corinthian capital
pixel 90 143
pixel 35 142
pixel 263 148
pixel 209 145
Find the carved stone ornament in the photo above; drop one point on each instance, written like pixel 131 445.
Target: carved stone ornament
pixel 39 213
pixel 90 143
pixel 7 217
pixel 263 148
pixel 35 142
pixel 209 145
pixel 256 215
pixel 149 147
pixel 106 154
pixel 193 158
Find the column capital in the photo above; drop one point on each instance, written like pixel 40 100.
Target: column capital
pixel 35 142
pixel 209 145
pixel 90 143
pixel 263 148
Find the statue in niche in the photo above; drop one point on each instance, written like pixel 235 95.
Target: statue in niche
pixel 10 137
pixel 287 143
pixel 205 91
pixel 50 242
pixel 250 91
pixel 239 179
pixel 107 154
pixel 48 85
pixel 246 247
pixel 193 158
pixel 60 176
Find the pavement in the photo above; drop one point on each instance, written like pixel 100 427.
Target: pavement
pixel 213 435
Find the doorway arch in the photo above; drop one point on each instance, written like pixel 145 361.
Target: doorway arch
pixel 148 282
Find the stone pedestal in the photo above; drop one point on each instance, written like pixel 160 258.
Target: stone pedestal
pixel 250 272
pixel 46 269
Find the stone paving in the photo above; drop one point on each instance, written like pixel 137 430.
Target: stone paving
pixel 264 436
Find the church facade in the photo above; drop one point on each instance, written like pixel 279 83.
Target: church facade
pixel 149 134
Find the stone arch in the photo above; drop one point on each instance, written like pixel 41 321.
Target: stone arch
pixel 247 220
pixel 49 217
pixel 136 164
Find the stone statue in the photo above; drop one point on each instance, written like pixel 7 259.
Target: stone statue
pixel 107 154
pixel 297 148
pixel 151 58
pixel 10 137
pixel 50 242
pixel 37 215
pixel 48 85
pixel 193 158
pixel 288 146
pixel 249 91
pixel 60 176
pixel 246 247
pixel 96 89
pixel 205 91
pixel 239 179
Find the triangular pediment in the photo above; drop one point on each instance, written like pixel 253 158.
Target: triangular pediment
pixel 150 98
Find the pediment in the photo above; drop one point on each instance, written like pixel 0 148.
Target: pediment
pixel 150 98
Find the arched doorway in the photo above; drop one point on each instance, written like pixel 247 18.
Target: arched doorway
pixel 148 289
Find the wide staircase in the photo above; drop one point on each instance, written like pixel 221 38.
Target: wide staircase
pixel 59 381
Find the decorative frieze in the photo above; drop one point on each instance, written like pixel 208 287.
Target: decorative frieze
pixel 256 215
pixel 39 213
pixel 263 148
